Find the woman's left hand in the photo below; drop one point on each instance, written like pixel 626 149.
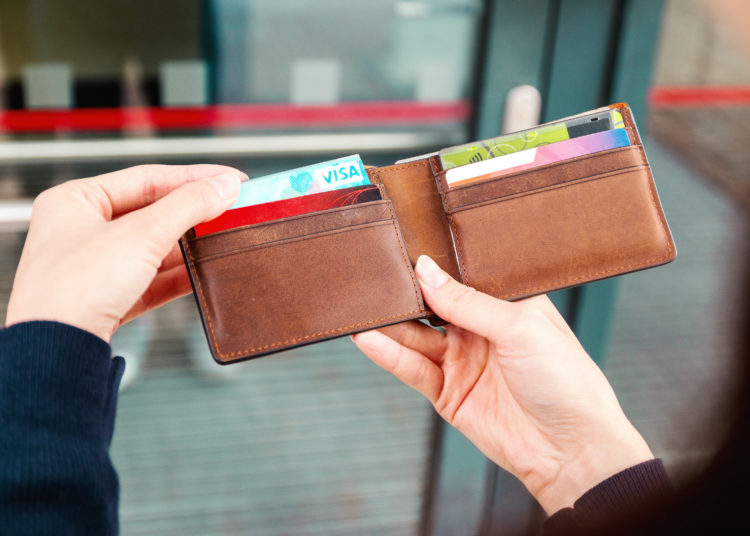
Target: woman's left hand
pixel 103 250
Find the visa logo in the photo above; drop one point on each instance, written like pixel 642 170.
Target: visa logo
pixel 341 174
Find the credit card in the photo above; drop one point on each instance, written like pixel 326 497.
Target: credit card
pixel 537 156
pixel 414 158
pixel 323 177
pixel 469 153
pixel 289 207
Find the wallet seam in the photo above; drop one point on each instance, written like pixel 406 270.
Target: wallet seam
pixel 404 256
pixel 399 167
pixel 289 240
pixel 270 346
pixel 286 219
pixel 583 158
pixel 549 187
pixel 593 275
pixel 312 336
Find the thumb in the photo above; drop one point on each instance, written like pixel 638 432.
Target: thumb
pixel 192 203
pixel 460 305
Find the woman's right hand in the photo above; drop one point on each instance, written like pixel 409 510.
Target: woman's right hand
pixel 514 379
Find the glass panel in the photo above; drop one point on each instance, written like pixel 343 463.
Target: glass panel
pixel 314 441
pixel 236 65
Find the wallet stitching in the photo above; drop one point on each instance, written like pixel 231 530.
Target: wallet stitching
pixel 399 167
pixel 290 240
pixel 311 336
pixel 459 245
pixel 457 236
pixel 607 272
pixel 270 346
pixel 568 161
pixel 592 276
pixel 280 221
pixel 542 189
pixel 215 343
pixel 460 252
pixel 206 312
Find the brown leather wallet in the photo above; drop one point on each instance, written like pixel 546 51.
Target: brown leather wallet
pixel 275 285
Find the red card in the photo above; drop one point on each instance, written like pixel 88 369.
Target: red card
pixel 289 207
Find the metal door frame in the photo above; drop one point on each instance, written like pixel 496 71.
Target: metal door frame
pixel 580 54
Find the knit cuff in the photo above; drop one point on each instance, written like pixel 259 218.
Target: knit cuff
pixel 620 494
pixel 627 489
pixel 58 377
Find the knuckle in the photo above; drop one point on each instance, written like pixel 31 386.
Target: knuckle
pixel 528 318
pixel 146 170
pixel 42 200
pixel 462 295
pixel 149 190
pixel 205 197
pixel 51 197
pixel 399 364
pixel 408 336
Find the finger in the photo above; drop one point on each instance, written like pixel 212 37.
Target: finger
pixel 409 366
pixel 166 286
pixel 461 305
pixel 138 186
pixel 415 335
pixel 173 258
pixel 545 305
pixel 163 222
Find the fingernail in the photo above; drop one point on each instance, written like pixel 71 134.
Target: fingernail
pixel 430 273
pixel 226 185
pixel 244 177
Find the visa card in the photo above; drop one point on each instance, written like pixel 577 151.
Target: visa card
pixel 537 156
pixel 323 177
pixel 285 208
pixel 469 153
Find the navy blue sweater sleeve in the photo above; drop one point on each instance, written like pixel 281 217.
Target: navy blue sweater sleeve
pixel 58 395
pixel 621 494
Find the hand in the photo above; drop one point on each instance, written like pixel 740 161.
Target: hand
pixel 514 379
pixel 103 250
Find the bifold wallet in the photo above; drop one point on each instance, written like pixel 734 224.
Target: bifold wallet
pixel 275 285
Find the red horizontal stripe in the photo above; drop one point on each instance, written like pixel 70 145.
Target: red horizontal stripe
pixel 699 96
pixel 234 116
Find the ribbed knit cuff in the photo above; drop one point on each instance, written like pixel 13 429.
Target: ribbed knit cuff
pixel 57 376
pixel 624 492
pixel 627 489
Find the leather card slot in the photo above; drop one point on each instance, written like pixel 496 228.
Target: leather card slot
pixel 331 283
pixel 291 227
pixel 440 174
pixel 280 242
pixel 558 173
pixel 562 237
pixel 525 192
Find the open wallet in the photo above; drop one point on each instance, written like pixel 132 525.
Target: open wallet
pixel 271 286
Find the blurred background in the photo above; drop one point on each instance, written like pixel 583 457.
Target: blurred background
pixel 318 440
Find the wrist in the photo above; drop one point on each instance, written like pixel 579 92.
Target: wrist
pixel 68 313
pixel 596 461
